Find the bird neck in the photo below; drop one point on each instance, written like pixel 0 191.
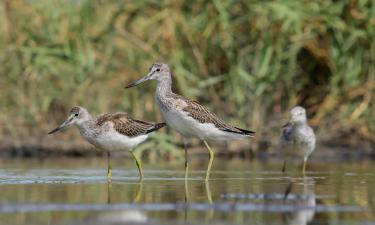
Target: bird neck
pixel 299 124
pixel 86 124
pixel 164 86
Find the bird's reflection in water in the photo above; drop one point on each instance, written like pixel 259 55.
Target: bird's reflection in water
pixel 118 217
pixel 210 213
pixel 109 190
pixel 306 203
pixel 209 199
pixel 186 199
pixel 137 193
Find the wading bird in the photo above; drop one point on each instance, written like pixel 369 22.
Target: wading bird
pixel 188 117
pixel 111 132
pixel 297 136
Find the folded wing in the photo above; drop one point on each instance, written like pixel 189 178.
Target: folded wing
pixel 203 115
pixel 125 125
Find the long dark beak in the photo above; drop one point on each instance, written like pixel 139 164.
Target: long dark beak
pixel 143 79
pixel 63 125
pixel 55 130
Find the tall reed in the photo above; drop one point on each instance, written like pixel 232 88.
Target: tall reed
pixel 249 61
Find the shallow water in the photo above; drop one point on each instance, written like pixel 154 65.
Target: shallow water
pixel 75 191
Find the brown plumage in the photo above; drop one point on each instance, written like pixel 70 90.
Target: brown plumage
pixel 203 115
pixel 110 132
pixel 125 125
pixel 187 117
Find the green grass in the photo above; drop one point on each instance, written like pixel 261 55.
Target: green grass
pixel 249 61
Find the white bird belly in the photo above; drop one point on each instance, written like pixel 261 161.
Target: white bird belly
pixel 189 127
pixel 294 150
pixel 301 144
pixel 114 141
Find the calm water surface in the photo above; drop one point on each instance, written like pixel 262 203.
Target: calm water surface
pixel 75 191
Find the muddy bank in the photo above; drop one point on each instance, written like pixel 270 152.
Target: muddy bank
pixel 42 147
pixel 78 148
pixel 336 145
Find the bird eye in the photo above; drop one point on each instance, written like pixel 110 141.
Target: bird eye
pixel 76 114
pixel 158 70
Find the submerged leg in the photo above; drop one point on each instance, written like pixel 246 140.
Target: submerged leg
pixel 186 191
pixel 109 190
pixel 212 155
pixel 186 158
pixel 288 190
pixel 139 165
pixel 138 192
pixel 210 213
pixel 109 171
pixel 304 166
pixel 284 167
pixel 208 191
pixel 186 170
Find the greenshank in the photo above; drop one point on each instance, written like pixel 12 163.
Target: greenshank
pixel 188 117
pixel 297 136
pixel 111 132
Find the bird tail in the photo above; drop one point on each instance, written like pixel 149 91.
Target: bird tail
pixel 156 126
pixel 246 132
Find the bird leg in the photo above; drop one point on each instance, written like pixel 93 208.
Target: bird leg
pixel 109 190
pixel 109 171
pixel 186 170
pixel 138 192
pixel 212 155
pixel 284 167
pixel 208 191
pixel 304 166
pixel 210 212
pixel 186 158
pixel 288 190
pixel 139 165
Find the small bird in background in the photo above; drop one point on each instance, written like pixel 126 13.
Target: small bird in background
pixel 297 136
pixel 110 132
pixel 187 117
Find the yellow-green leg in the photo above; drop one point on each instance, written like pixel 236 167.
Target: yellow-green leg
pixel 109 171
pixel 209 199
pixel 139 165
pixel 138 193
pixel 208 191
pixel 109 190
pixel 212 155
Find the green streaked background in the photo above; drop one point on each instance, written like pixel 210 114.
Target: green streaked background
pixel 248 61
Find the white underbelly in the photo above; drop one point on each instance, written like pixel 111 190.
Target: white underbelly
pixel 189 127
pixel 296 150
pixel 117 142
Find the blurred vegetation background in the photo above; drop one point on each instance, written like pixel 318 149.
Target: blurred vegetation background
pixel 248 61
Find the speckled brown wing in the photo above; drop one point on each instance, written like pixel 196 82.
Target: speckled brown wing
pixel 203 115
pixel 125 125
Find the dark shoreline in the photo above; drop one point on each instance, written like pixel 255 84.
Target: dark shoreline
pixel 325 153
